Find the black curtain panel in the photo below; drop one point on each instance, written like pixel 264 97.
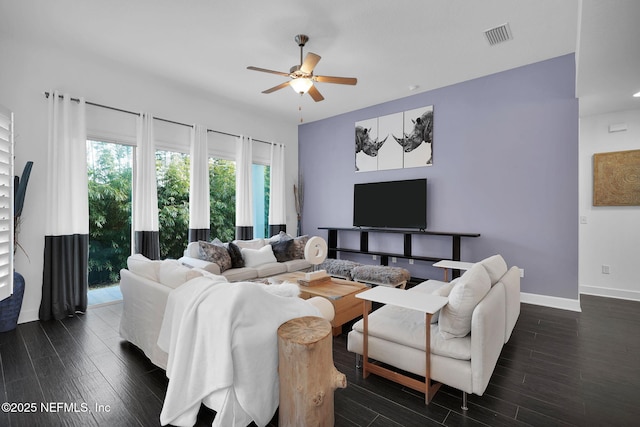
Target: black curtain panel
pixel 277 228
pixel 196 234
pixel 65 276
pixel 148 244
pixel 244 232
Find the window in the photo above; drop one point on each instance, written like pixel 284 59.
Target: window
pixel 222 191
pixel 110 175
pixel 261 179
pixel 172 172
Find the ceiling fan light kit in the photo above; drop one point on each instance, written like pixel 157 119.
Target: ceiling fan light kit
pixel 302 77
pixel 301 85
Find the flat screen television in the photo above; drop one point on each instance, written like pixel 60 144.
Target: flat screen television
pixel 391 204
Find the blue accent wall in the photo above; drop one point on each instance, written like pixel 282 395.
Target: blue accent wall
pixel 505 165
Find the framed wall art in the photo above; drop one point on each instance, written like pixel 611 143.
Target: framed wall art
pixel 395 141
pixel 616 178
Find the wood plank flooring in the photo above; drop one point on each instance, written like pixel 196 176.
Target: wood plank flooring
pixel 559 368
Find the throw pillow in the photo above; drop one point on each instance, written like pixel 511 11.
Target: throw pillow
pixel 236 255
pixel 455 317
pixel 299 244
pixel 256 257
pixel 216 254
pixel 250 244
pixel 284 250
pixel 442 291
pixel 280 237
pixel 496 267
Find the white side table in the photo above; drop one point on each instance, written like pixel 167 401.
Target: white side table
pixel 425 303
pixel 454 265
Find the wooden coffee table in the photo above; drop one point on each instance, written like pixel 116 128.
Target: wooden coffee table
pixel 341 293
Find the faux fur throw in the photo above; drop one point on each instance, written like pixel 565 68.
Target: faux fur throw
pixel 339 267
pixel 380 274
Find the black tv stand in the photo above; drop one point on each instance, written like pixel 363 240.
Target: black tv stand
pixel 456 237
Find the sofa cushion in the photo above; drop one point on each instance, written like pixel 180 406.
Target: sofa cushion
pixel 407 327
pixel 496 267
pixel 173 274
pixel 455 317
pixel 250 244
pixel 255 257
pixel 240 274
pixel 297 265
pixel 143 266
pixel 270 269
pixel 217 253
pixel 283 250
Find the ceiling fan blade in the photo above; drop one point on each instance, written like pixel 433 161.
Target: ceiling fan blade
pixel 310 62
pixel 275 88
pixel 264 70
pixel 313 91
pixel 338 80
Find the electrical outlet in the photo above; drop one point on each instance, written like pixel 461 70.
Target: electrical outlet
pixel 411 262
pixel 605 269
pixel 583 219
pixel 394 259
pixel 522 272
pixel 375 257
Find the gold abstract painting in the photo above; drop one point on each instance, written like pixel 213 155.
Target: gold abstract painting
pixel 616 178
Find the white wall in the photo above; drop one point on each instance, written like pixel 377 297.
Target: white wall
pixel 611 235
pixel 28 70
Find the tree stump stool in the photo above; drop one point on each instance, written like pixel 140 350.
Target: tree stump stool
pixel 307 374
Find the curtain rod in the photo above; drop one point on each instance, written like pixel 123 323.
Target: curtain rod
pixel 47 94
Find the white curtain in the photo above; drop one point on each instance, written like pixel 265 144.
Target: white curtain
pixel 147 239
pixel 65 273
pixel 244 190
pixel 199 204
pixel 277 204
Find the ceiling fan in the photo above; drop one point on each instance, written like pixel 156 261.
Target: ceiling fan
pixel 302 77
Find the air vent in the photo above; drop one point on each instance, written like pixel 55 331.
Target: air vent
pixel 498 34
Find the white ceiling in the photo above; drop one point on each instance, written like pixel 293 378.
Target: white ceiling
pixel 206 45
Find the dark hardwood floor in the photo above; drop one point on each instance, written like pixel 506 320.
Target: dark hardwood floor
pixel 559 368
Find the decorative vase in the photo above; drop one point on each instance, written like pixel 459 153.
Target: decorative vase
pixel 10 307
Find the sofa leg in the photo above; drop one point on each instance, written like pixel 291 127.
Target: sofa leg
pixel 358 361
pixel 464 401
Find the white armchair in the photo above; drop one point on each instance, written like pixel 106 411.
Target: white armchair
pixel 466 341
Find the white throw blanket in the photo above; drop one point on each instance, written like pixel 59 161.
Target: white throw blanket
pixel 223 351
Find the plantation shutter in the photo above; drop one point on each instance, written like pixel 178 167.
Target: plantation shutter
pixel 6 203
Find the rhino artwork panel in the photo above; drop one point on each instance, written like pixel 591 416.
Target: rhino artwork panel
pixel 367 145
pixel 417 137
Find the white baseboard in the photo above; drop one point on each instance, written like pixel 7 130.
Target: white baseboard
pixel 610 292
pixel 553 302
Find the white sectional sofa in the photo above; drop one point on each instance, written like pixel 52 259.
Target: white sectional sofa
pixel 145 287
pixel 467 336
pixel 259 261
